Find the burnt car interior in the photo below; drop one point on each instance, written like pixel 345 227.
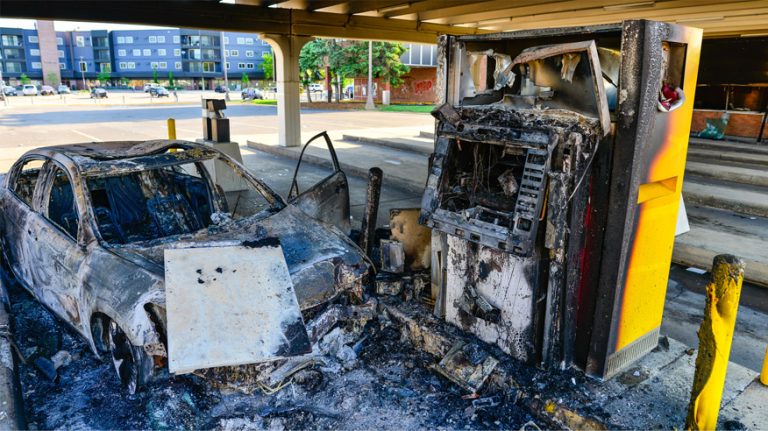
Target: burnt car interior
pixel 172 200
pixel 62 208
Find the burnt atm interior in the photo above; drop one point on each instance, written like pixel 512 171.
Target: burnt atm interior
pixel 548 149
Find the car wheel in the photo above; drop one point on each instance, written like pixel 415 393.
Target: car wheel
pixel 130 361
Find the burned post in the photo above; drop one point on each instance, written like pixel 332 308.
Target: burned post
pixel 372 195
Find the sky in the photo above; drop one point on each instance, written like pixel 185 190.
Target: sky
pixel 72 25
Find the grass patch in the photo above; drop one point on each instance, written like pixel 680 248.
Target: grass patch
pixel 263 102
pixel 407 108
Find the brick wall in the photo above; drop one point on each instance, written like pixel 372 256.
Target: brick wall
pixel 418 87
pixel 741 124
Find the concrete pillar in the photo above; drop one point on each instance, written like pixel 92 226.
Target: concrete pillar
pixel 287 49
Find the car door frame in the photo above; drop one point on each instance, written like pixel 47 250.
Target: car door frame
pixel 65 254
pixel 327 200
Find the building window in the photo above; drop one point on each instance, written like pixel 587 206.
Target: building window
pixel 80 41
pixel 249 54
pixel 177 65
pixel 105 67
pixel 137 53
pixel 209 66
pixel 226 40
pixel 153 65
pixel 61 53
pixel 163 65
pixel 249 41
pixel 37 65
pixel 11 40
pixel 62 66
pixel 147 53
pixel 121 52
pixel 177 53
pixel 241 65
pixel 123 65
pixel 120 39
pixel 226 52
pixel 34 52
pixel 33 39
pixel 59 41
pixel 83 66
pixel 128 39
pixel 152 39
pixel 226 65
pixel 160 39
pixel 13 67
pixel 241 41
pixel 235 53
pixel 176 39
pixel 161 52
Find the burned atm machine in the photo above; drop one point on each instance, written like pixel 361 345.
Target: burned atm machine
pixel 555 184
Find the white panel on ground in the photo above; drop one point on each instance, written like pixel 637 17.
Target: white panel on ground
pixel 231 306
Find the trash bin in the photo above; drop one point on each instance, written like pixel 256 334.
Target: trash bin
pixel 385 97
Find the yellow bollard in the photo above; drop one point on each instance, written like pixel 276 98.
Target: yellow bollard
pixel 172 129
pixel 764 373
pixel 715 337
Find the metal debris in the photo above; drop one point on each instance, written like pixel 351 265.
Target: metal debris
pixel 467 365
pixel 392 256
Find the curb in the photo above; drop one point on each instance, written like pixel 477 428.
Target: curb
pixel 752 209
pixel 353 170
pixel 700 257
pixel 388 144
pixel 11 404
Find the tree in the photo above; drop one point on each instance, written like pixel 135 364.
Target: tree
pixel 124 80
pixel 386 61
pixel 311 63
pixel 24 79
pixel 53 79
pixel 154 75
pixel 170 79
pixel 103 77
pixel 244 79
pixel 268 65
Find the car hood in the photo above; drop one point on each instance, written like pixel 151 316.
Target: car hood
pixel 322 261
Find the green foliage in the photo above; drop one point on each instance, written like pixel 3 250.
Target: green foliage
pixel 154 75
pixel 53 79
pixel 386 61
pixel 268 65
pixel 170 79
pixel 24 79
pixel 312 63
pixel 407 108
pixel 244 79
pixel 124 80
pixel 103 77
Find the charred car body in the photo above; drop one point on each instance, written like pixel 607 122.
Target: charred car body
pixel 84 229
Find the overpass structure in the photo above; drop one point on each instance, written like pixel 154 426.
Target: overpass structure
pixel 289 24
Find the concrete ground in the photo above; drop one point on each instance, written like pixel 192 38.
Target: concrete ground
pixel 23 127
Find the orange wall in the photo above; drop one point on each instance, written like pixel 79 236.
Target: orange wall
pixel 745 125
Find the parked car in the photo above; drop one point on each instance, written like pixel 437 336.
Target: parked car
pixel 149 86
pixel 47 90
pixel 84 229
pixel 10 91
pixel 315 88
pixel 251 93
pixel 98 93
pixel 63 89
pixel 159 92
pixel 220 89
pixel 29 90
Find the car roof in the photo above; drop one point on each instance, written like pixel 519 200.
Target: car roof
pixel 101 157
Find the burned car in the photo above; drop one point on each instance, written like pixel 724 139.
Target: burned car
pixel 84 228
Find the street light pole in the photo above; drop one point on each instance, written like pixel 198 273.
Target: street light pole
pixel 369 103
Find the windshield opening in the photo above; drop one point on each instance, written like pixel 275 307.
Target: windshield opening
pixel 149 204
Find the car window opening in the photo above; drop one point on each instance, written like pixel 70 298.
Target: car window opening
pixel 62 210
pixel 26 180
pixel 158 203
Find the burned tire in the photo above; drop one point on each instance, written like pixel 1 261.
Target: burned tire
pixel 132 364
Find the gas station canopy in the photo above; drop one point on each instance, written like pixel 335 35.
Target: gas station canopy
pixel 415 20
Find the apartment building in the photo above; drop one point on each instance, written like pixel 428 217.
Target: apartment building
pixel 194 57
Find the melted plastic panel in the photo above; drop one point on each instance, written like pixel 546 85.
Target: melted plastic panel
pixel 231 306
